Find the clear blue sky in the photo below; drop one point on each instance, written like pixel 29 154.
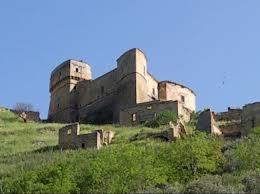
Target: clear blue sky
pixel 211 46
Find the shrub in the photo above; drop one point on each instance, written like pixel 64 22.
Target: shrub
pixel 251 181
pixel 243 154
pixel 55 178
pixel 206 184
pixel 152 124
pixel 162 119
pixel 193 157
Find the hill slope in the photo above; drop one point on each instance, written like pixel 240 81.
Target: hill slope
pixel 135 162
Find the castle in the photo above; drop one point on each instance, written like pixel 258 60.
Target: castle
pixel 128 94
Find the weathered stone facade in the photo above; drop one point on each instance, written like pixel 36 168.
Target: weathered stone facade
pixel 250 117
pixel 108 98
pixel 207 123
pixel 69 138
pixel 234 122
pixel 176 131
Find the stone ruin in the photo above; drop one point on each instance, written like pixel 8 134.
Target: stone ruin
pixel 206 122
pixel 175 131
pixel 28 115
pixel 70 138
pixel 232 123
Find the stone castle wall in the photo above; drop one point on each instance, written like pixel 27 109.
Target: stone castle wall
pixel 146 111
pixel 176 92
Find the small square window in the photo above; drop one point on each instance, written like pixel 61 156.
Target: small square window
pixel 149 107
pixel 134 117
pixel 182 99
pixel 77 69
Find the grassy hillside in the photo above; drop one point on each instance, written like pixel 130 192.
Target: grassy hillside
pixel 136 162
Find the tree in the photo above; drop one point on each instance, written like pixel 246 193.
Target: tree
pixel 23 107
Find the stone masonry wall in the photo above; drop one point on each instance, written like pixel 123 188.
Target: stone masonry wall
pixel 250 117
pixel 146 111
pixel 231 114
pixel 173 91
pixel 206 122
pixel 69 138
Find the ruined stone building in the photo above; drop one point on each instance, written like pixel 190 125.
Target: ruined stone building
pixel 128 94
pixel 234 122
pixel 70 138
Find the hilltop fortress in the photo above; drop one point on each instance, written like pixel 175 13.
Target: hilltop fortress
pixel 128 94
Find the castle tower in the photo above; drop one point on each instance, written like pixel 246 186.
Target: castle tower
pixel 132 72
pixel 63 86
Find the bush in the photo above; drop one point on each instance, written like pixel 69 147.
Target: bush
pixel 152 124
pixel 192 157
pixel 243 154
pixel 122 168
pixel 55 178
pixel 162 119
pixel 206 184
pixel 251 181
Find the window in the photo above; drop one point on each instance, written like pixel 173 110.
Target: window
pixel 153 91
pixel 58 105
pixel 149 107
pixel 83 145
pixel 102 90
pixel 182 99
pixel 134 117
pixel 77 69
pixel 69 132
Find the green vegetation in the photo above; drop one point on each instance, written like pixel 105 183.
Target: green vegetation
pixel 136 161
pixel 162 119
